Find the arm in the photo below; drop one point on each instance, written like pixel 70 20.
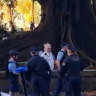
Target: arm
pixel 58 64
pixel 47 65
pixel 12 67
pixel 59 58
pixel 29 65
pixel 65 66
pixel 28 72
pixel 54 62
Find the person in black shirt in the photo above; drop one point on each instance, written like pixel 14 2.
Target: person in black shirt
pixel 71 68
pixel 39 69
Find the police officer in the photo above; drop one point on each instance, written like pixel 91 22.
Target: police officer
pixel 11 72
pixel 60 57
pixel 72 68
pixel 38 69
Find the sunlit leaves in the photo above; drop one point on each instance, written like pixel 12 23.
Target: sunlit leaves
pixel 37 12
pixel 21 12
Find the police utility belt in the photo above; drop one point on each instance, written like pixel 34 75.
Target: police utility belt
pixel 45 73
pixel 71 74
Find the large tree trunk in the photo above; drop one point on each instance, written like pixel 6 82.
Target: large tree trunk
pixel 94 6
pixel 70 21
pixel 83 28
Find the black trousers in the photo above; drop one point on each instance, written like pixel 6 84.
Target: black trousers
pixel 39 86
pixel 73 86
pixel 59 87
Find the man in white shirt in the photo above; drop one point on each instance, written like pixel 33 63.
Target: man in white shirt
pixel 48 55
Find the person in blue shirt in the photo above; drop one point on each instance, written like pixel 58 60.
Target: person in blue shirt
pixel 38 69
pixel 62 54
pixel 11 71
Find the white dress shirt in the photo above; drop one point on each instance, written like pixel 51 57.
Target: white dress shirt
pixel 49 57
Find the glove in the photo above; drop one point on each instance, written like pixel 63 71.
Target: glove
pixel 21 69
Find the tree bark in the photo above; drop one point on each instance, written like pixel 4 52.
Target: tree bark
pixel 71 21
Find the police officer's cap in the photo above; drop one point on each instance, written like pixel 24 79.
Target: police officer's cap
pixel 13 52
pixel 64 45
pixel 34 50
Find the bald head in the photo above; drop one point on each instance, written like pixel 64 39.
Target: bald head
pixel 47 47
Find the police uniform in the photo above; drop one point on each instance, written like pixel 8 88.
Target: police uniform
pixel 59 85
pixel 13 78
pixel 72 69
pixel 39 69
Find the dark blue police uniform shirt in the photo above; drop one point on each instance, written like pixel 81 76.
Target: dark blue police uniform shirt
pixel 71 66
pixel 38 64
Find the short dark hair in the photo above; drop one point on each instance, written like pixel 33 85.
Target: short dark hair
pixel 72 49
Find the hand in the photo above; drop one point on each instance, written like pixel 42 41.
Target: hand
pixel 58 64
pixel 18 74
